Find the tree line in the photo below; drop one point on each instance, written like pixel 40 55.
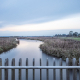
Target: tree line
pixel 71 34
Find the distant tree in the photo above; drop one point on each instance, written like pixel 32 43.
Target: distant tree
pixel 67 35
pixel 63 35
pixel 75 34
pixel 56 35
pixel 79 35
pixel 71 33
pixel 60 35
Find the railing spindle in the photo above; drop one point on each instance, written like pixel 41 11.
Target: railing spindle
pixel 0 69
pixel 74 70
pixel 20 64
pixel 60 69
pixel 54 70
pixel 79 69
pixel 33 69
pixel 67 67
pixel 40 71
pixel 47 70
pixel 6 70
pixel 67 70
pixel 13 70
pixel 27 69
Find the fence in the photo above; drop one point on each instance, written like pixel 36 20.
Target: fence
pixel 74 68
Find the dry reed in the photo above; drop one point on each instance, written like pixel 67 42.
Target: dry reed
pixel 6 44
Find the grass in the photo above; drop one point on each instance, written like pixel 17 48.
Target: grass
pixel 78 39
pixel 7 44
pixel 60 47
pixel 74 38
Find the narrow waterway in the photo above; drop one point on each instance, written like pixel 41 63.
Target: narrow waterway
pixel 30 49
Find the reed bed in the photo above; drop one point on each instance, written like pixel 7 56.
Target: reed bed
pixel 63 48
pixel 7 43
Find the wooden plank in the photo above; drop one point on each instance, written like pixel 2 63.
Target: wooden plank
pixel 0 69
pixel 27 69
pixel 40 71
pixel 6 70
pixel 13 70
pixel 20 64
pixel 67 70
pixel 54 71
pixel 60 64
pixel 74 70
pixel 47 71
pixel 33 69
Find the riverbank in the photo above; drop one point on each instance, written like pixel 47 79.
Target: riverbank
pixel 7 44
pixel 62 48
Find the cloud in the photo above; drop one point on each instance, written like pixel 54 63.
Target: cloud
pixel 37 20
pixel 1 22
pixel 8 3
pixel 67 23
pixel 18 11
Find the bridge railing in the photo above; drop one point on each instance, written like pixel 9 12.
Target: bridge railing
pixel 74 68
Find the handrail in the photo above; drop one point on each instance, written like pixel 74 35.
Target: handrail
pixel 39 67
pixel 74 67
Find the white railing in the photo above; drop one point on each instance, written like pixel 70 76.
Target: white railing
pixel 74 67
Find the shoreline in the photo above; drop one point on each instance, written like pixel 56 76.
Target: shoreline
pixel 61 48
pixel 7 44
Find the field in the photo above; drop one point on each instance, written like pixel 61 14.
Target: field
pixel 60 47
pixel 6 44
pixel 74 38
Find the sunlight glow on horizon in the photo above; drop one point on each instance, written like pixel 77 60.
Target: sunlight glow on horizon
pixel 67 23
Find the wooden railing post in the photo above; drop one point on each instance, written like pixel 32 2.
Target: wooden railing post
pixel 54 74
pixel 0 69
pixel 47 70
pixel 20 64
pixel 60 69
pixel 67 70
pixel 40 71
pixel 6 70
pixel 27 69
pixel 33 69
pixel 74 70
pixel 13 70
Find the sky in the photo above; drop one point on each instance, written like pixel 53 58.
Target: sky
pixel 39 17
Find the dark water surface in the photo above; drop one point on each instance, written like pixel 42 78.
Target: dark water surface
pixel 30 49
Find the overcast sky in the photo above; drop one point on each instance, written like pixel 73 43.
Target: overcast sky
pixel 22 16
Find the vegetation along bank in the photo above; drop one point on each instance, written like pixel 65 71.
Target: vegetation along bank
pixel 59 47
pixel 7 44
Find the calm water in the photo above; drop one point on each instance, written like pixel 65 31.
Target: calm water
pixel 30 49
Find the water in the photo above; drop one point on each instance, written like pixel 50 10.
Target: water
pixel 30 49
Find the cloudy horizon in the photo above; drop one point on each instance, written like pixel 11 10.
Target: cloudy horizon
pixel 34 16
